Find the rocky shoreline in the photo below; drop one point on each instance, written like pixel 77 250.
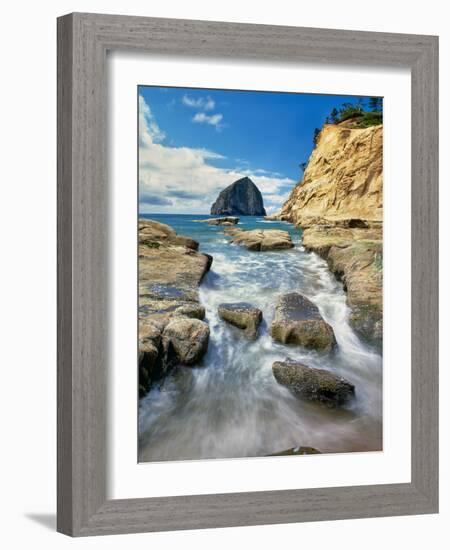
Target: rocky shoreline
pixel 353 250
pixel 173 330
pixel 355 256
pixel 171 325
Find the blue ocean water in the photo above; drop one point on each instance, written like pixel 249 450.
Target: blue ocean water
pixel 231 405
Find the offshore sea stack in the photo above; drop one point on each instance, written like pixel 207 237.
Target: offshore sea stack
pixel 241 198
pixel 339 206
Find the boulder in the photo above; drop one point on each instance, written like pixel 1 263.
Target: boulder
pixel 298 321
pixel 261 240
pixel 151 368
pixel 226 220
pixel 240 198
pixel 313 384
pixel 243 316
pixel 185 341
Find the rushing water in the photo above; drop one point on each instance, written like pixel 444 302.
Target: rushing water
pixel 231 405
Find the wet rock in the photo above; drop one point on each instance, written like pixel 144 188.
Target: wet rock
pixel 185 341
pixel 313 384
pixel 298 321
pixel 355 256
pixel 261 239
pixel 155 234
pixel 170 272
pixel 151 367
pixel 240 198
pixel 226 220
pixel 243 316
pixel 297 451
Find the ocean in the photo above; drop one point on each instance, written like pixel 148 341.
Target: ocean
pixel 231 405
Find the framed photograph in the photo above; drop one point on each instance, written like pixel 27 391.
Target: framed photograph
pixel 247 274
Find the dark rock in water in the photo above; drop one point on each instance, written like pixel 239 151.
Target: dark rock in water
pixel 240 198
pixel 151 367
pixel 298 321
pixel 164 344
pixel 242 315
pixel 297 451
pixel 226 220
pixel 313 384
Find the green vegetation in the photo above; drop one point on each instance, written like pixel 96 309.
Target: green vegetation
pixel 376 104
pixel 316 135
pixel 150 244
pixel 360 114
pixel 378 262
pixel 357 115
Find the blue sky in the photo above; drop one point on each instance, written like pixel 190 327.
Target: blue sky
pixel 195 142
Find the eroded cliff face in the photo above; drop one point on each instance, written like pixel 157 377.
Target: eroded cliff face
pixel 343 179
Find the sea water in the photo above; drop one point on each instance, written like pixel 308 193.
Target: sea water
pixel 231 405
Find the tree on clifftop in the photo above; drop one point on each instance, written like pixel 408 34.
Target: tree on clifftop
pixel 375 104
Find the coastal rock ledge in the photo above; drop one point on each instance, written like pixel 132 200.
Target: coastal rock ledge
pixel 171 326
pixel 313 384
pixel 298 321
pixel 355 256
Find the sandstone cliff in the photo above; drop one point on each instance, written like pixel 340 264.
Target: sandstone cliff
pixel 343 179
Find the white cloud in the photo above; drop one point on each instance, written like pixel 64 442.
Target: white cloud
pixel 148 129
pixel 181 179
pixel 205 103
pixel 213 120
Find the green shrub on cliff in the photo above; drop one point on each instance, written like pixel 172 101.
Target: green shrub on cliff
pixel 371 119
pixel 356 115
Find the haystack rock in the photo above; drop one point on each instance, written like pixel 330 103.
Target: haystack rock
pixel 241 198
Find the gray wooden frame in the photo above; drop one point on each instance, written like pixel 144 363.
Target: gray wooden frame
pixel 83 41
